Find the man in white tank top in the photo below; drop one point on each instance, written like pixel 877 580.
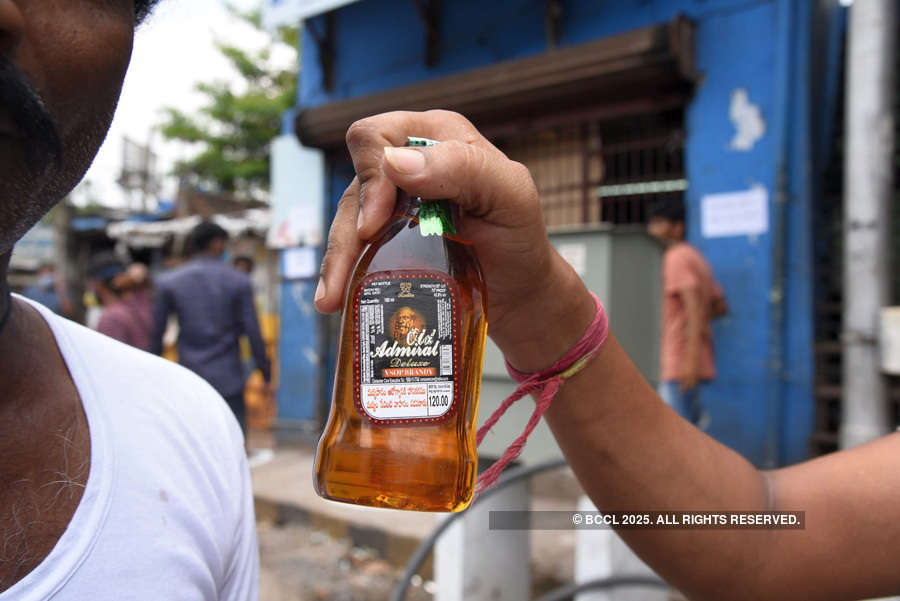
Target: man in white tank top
pixel 122 476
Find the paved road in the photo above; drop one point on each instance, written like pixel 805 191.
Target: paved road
pixel 302 564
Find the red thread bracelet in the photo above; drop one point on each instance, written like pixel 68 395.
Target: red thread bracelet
pixel 547 382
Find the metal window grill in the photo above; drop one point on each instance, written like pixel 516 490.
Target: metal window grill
pixel 603 171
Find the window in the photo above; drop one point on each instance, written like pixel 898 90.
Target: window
pixel 594 172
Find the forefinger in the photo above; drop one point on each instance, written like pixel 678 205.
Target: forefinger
pixel 344 248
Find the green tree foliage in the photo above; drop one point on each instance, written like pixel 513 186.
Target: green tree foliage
pixel 233 130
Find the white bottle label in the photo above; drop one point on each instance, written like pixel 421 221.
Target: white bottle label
pixel 406 347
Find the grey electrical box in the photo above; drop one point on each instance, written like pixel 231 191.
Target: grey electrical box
pixel 622 267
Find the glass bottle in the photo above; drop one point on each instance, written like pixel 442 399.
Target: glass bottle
pixel 401 432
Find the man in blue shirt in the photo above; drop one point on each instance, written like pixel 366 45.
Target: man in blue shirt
pixel 214 306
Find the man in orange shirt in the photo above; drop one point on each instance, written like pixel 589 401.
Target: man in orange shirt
pixel 691 299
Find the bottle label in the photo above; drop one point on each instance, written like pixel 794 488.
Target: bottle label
pixel 406 349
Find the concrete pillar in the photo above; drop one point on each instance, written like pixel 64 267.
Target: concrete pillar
pixel 473 563
pixel 868 192
pixel 601 554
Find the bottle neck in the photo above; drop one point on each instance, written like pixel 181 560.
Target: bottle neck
pixel 440 216
pixel 435 216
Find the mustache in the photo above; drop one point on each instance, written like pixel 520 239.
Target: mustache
pixel 22 102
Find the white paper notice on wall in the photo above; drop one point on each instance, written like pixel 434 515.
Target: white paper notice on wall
pixel 298 263
pixel 576 256
pixel 742 213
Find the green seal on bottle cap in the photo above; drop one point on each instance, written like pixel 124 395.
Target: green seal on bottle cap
pixel 412 141
pixel 434 215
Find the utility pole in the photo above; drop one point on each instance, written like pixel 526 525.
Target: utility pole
pixel 868 191
pixel 137 175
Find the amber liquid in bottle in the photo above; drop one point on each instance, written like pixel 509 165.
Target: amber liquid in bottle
pixel 406 461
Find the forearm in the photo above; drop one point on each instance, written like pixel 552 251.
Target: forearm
pixel 258 349
pixel 250 326
pixel 631 452
pixel 719 307
pixel 694 332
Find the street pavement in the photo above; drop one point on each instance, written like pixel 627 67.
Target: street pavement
pixel 288 508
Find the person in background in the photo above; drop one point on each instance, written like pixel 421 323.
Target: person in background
pixel 691 299
pixel 102 269
pixel 50 291
pixel 141 289
pixel 93 310
pixel 214 306
pixel 244 264
pixel 126 316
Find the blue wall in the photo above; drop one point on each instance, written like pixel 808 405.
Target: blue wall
pixel 299 354
pixel 761 404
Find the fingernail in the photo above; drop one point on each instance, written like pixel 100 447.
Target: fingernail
pixel 320 291
pixel 405 160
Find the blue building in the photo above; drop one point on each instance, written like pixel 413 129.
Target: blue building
pixel 728 103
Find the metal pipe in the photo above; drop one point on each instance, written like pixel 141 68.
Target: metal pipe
pixel 868 190
pixel 568 591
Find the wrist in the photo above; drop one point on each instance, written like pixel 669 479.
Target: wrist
pixel 534 334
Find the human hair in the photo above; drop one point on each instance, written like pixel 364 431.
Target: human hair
pixel 106 267
pixel 142 9
pixel 243 259
pixel 671 209
pixel 204 234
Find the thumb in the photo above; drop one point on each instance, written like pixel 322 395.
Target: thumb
pixel 479 178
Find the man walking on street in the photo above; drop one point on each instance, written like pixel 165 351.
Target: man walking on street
pixel 691 299
pixel 214 306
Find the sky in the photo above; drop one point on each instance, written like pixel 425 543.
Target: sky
pixel 174 49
